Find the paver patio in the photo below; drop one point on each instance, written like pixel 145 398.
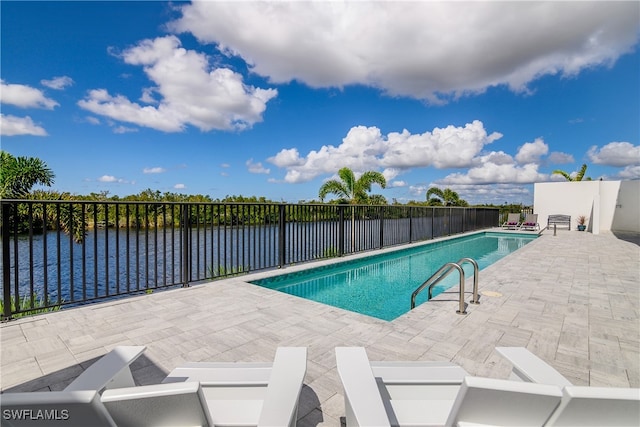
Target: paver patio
pixel 572 299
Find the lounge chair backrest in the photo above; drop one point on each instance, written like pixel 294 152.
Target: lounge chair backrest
pixel 503 403
pixel 54 409
pixel 513 218
pixel 158 405
pixel 597 406
pixel 110 371
pixel 363 404
pixel 285 385
pixel 530 219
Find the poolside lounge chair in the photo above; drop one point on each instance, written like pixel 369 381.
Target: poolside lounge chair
pixel 250 394
pixel 433 393
pixel 530 223
pixel 512 222
pixel 197 394
pixel 79 403
pixel 580 406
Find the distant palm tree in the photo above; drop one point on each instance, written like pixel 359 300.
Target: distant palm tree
pixel 353 191
pixel 446 197
pixel 350 189
pixel 579 175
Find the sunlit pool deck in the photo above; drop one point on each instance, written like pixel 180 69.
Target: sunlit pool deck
pixel 573 299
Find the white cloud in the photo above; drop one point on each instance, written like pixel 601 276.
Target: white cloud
pixel 112 179
pixel 156 169
pixel 488 172
pixel 93 120
pixel 179 186
pixel 190 92
pixel 615 154
pixel 12 126
pixel 365 148
pixel 630 172
pixel 24 96
pixel 409 48
pixel 531 152
pixel 123 129
pixel 256 167
pixel 397 184
pixel 57 83
pixel 559 158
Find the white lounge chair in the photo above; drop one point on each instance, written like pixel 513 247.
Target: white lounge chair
pixel 530 223
pixel 512 222
pixel 433 393
pixel 196 394
pixel 79 403
pixel 250 394
pixel 580 406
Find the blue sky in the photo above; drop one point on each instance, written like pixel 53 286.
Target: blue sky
pixel 272 98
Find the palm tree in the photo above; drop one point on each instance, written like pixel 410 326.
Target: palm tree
pixel 353 191
pixel 446 197
pixel 350 189
pixel 579 175
pixel 18 175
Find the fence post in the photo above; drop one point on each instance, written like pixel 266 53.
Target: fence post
pixel 410 224
pixel 433 212
pixel 282 223
pixel 341 230
pixel 381 227
pixel 186 245
pixel 6 261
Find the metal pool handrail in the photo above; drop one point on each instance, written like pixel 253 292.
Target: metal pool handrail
pixel 444 272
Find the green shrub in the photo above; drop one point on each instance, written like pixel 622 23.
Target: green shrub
pixel 24 306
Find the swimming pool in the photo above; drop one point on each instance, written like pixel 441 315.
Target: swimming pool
pixel 381 285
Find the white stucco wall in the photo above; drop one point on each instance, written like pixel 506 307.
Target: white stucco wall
pixel 608 205
pixel 627 210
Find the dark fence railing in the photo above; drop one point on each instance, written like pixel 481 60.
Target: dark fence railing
pixel 57 253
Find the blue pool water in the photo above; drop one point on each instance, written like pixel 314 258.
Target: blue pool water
pixel 381 285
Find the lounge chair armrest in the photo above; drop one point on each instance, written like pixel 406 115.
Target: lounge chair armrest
pixel 280 407
pixel 363 403
pixel 173 404
pixel 112 370
pixel 530 368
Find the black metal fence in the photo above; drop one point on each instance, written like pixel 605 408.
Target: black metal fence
pixel 57 253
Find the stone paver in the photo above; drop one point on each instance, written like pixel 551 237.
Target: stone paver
pixel 573 299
